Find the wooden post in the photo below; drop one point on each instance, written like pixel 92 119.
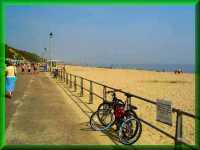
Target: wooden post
pixel 104 94
pixel 75 83
pixel 179 126
pixel 91 93
pixel 81 90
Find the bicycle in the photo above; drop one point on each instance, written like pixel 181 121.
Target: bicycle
pixel 119 113
pixel 105 110
pixel 118 106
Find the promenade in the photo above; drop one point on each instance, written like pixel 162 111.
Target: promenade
pixel 45 110
pixel 41 112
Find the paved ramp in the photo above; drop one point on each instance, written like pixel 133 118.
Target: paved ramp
pixel 42 113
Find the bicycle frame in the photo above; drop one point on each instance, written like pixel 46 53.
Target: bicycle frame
pixel 121 110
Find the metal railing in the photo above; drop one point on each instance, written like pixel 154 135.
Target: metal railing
pixel 71 80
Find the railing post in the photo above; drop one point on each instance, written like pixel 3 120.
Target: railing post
pixel 70 82
pixel 128 104
pixel 75 83
pixel 66 78
pixel 104 93
pixel 81 86
pixel 91 93
pixel 179 125
pixel 57 75
pixel 61 75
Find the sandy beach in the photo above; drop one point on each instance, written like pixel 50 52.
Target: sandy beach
pixel 177 88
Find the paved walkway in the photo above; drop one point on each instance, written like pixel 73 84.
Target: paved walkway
pixel 42 113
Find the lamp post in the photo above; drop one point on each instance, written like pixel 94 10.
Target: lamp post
pixel 45 51
pixel 50 49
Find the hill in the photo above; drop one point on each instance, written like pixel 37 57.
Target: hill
pixel 14 53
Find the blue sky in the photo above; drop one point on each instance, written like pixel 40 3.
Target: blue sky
pixel 106 34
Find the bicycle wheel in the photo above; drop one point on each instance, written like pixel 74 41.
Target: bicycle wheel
pixel 130 131
pixel 107 108
pixel 104 110
pixel 130 113
pixel 96 123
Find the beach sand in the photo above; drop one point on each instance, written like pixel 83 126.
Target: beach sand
pixel 177 88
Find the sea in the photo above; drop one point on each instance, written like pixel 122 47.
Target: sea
pixel 187 68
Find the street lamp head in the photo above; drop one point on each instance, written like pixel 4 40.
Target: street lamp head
pixel 50 34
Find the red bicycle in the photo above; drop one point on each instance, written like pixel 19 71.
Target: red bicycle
pixel 121 114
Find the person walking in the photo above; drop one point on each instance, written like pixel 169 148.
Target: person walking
pixel 34 68
pixel 11 72
pixel 29 68
pixel 23 68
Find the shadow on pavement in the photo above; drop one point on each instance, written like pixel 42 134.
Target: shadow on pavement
pixel 77 100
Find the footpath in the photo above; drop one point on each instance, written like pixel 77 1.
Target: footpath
pixel 42 113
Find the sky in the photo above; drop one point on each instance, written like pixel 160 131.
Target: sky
pixel 105 34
